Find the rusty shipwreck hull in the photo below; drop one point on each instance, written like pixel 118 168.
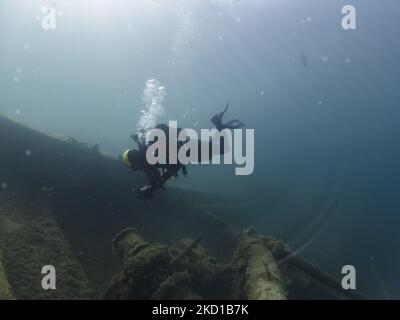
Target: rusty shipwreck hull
pixel 62 202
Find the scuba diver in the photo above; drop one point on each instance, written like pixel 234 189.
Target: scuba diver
pixel 158 174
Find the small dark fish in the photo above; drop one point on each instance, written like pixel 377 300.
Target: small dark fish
pixel 304 59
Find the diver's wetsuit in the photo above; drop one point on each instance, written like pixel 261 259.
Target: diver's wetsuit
pixel 160 173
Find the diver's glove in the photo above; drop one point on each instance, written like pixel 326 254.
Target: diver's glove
pixel 217 121
pixel 146 192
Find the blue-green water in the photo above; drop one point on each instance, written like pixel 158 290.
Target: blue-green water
pixel 327 160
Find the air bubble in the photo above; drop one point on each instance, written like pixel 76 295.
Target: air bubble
pixel 185 114
pixel 153 96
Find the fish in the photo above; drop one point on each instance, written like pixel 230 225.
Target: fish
pixel 304 59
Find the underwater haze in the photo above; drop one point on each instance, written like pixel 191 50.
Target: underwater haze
pixel 323 101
